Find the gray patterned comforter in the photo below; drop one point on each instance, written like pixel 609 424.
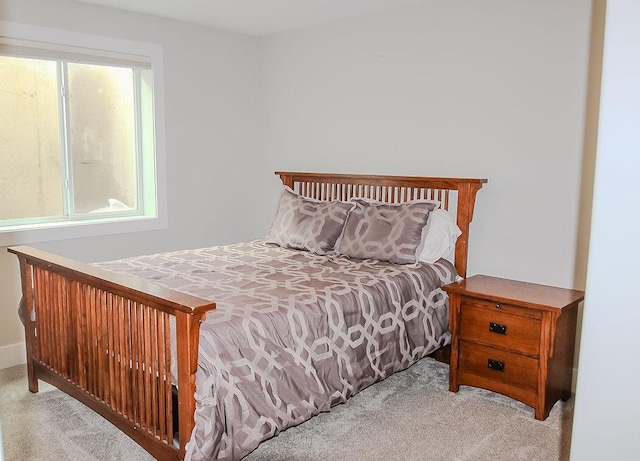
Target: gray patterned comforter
pixel 294 333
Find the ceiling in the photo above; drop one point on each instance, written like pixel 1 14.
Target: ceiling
pixel 255 17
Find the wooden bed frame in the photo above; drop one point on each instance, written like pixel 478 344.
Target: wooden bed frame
pixel 104 339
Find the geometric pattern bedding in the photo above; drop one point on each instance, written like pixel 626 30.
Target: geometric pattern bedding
pixel 294 333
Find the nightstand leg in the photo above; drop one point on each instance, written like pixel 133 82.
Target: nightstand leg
pixel 453 385
pixel 540 414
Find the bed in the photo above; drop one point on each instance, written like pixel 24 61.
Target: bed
pixel 157 354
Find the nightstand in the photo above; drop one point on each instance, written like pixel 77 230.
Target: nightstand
pixel 514 338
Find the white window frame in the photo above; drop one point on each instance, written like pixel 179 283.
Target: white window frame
pixel 154 208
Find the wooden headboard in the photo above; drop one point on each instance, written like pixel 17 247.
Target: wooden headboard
pixel 396 189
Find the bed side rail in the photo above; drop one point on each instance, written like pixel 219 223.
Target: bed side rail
pixel 104 338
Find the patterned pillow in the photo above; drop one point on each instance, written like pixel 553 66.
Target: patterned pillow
pixel 307 224
pixel 387 232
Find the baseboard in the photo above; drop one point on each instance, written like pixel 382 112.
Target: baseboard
pixel 12 355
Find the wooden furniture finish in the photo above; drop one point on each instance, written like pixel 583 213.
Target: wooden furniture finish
pixel 103 337
pixel 515 338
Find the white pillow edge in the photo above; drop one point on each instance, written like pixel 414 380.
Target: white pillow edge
pixel 439 237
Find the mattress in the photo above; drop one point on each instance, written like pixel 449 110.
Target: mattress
pixel 294 333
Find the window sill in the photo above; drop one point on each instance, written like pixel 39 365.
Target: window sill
pixel 81 229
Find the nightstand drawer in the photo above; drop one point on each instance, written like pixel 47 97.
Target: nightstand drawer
pixel 498 365
pixel 493 326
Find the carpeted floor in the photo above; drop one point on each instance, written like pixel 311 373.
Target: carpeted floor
pixel 409 416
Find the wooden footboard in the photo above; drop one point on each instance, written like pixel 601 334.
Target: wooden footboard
pixel 105 339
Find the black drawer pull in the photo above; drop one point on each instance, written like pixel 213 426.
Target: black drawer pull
pixel 497 328
pixel 495 365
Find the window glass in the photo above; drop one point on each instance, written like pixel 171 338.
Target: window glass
pixel 31 174
pixel 68 141
pixel 102 138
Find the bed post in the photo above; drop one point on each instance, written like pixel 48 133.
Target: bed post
pixel 29 325
pixel 466 203
pixel 187 336
pixel 287 179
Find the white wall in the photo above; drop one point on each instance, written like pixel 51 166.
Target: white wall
pixel 492 89
pixel 607 411
pixel 210 118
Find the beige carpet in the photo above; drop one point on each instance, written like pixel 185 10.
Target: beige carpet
pixel 409 416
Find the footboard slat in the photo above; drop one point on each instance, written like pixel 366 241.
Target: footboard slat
pixel 110 324
pixel 100 340
pixel 168 401
pixel 105 339
pixel 138 374
pixel 146 420
pixel 125 363
pixel 81 326
pixel 115 353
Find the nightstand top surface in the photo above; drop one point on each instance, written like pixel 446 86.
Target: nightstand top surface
pixel 516 292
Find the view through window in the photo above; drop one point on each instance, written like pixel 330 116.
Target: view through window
pixel 68 140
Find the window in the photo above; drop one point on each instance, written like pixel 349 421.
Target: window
pixel 78 144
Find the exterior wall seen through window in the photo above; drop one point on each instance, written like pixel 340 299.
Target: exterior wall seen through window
pixel 69 140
